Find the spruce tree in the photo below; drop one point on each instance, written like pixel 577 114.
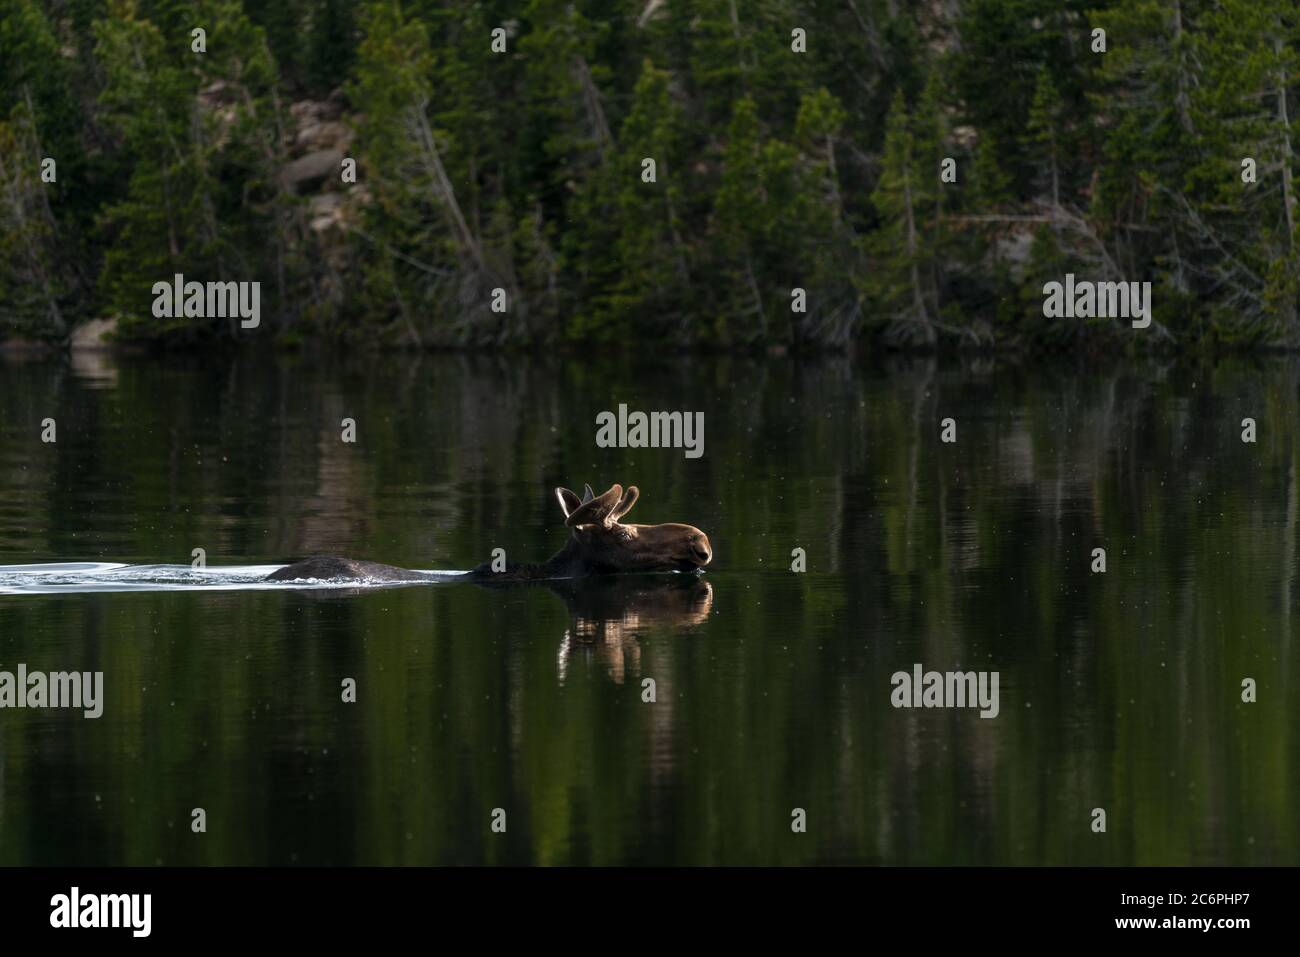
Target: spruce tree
pixel 896 283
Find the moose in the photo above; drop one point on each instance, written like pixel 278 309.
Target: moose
pixel 599 544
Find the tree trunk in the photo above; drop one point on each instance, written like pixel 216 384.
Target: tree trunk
pixel 1056 175
pixel 1181 99
pixel 34 248
pixel 433 161
pixel 918 300
pixel 591 99
pixel 1284 125
pixel 735 33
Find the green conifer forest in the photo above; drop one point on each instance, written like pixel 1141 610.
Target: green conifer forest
pixel 717 174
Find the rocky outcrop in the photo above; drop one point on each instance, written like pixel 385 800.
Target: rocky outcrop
pixel 330 134
pixel 95 335
pixel 319 125
pixel 309 173
pixel 319 138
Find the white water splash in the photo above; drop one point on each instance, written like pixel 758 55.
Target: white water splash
pixel 80 577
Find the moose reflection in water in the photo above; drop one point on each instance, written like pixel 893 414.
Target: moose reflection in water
pixel 608 616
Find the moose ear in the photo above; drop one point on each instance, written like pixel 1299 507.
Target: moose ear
pixel 625 503
pixel 597 511
pixel 567 499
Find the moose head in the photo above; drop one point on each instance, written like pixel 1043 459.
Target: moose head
pixel 606 543
pixel 599 544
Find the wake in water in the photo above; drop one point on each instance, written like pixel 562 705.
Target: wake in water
pixel 79 577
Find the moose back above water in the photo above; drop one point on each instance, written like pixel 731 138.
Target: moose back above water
pixel 599 544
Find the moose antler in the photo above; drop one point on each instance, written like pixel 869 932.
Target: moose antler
pixel 597 510
pixel 625 503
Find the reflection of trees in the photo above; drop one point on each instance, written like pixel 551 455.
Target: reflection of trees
pixel 1120 691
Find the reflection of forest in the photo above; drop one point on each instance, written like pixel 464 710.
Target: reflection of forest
pixel 1119 691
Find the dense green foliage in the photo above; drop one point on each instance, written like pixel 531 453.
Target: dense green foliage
pixel 525 170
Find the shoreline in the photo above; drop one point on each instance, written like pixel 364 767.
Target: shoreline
pixel 1096 349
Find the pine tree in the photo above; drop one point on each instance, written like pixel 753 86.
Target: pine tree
pixel 30 285
pixel 896 282
pixel 202 196
pixel 285 23
pixel 648 275
pixel 330 44
pixel 412 252
pixel 1046 129
pixel 743 219
pixel 931 149
pixel 995 200
pixel 430 244
pixel 567 113
pixel 1006 45
pixel 992 184
pixel 823 243
pixel 569 137
pixel 1145 86
pixel 41 223
pixel 146 102
pixel 1245 105
pixel 741 48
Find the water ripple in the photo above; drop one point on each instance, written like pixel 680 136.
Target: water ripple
pixel 81 577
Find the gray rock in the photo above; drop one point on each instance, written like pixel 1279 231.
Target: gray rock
pixel 325 204
pixel 93 335
pixel 322 136
pixel 309 172
pixel 325 211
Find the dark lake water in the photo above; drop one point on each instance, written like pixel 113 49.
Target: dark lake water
pixel 1119 690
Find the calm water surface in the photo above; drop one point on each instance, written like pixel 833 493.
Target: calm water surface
pixel 1119 691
